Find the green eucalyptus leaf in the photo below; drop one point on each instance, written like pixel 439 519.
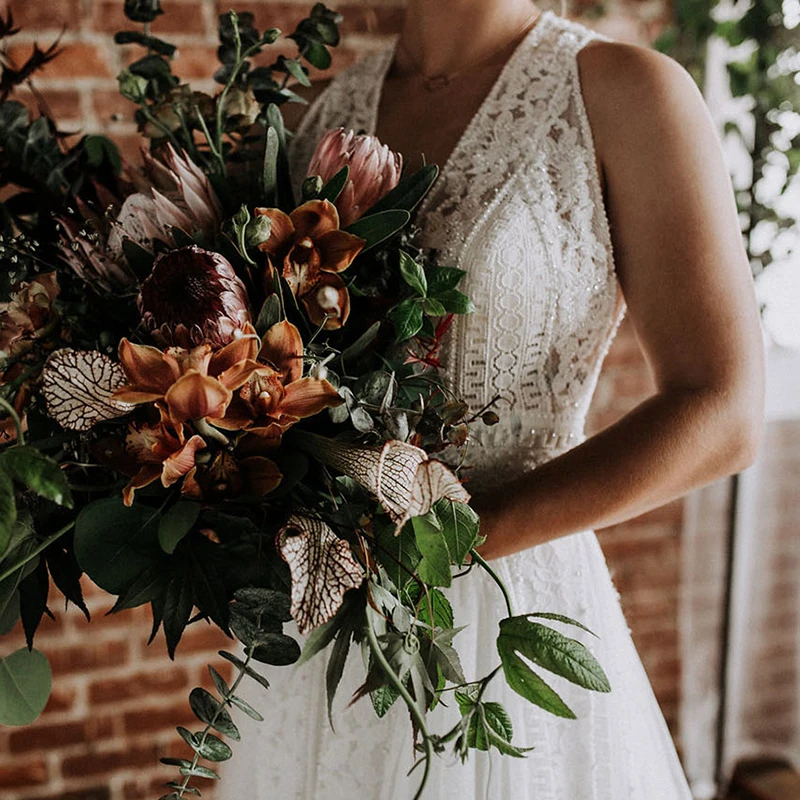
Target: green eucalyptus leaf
pixel 219 681
pixel 277 649
pixel 210 711
pixel 269 174
pixel 25 683
pixel 246 668
pixel 296 70
pixel 142 10
pixel 150 42
pixel 243 705
pixel 176 523
pixel 199 771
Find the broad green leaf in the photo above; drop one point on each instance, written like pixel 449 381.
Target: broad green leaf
pixel 442 610
pixel 147 586
pixel 209 710
pixel 525 682
pixel 383 698
pixel 440 279
pixel 433 308
pixel 114 544
pixel 8 510
pixel 434 569
pixel 552 650
pixel 409 192
pixel 406 318
pixel 39 473
pixel 333 188
pixel 413 274
pixel 561 618
pixel 176 523
pixel 25 683
pixel 186 790
pixel 376 228
pixel 460 528
pixel 456 302
pixel 402 554
pixel 9 616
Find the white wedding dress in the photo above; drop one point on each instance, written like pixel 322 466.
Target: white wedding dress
pixel 518 205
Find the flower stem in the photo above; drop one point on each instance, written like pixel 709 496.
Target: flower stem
pixel 483 564
pixel 14 416
pixel 35 552
pixel 416 714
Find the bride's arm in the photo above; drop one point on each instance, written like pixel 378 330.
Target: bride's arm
pixel 684 273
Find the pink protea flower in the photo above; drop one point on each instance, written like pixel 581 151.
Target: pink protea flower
pixel 374 170
pixel 173 192
pixel 193 297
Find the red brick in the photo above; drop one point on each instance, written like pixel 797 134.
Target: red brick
pixel 158 718
pixel 23 774
pixel 88 656
pixel 61 103
pixel 96 793
pixel 33 16
pixel 62 698
pixel 110 106
pixel 76 60
pixel 141 684
pixel 184 18
pixel 108 762
pixel 46 737
pixel 193 61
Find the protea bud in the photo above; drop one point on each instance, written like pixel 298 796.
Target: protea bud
pixel 374 170
pixel 406 482
pixel 192 297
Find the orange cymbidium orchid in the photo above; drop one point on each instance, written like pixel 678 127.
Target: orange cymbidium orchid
pixel 162 453
pixel 190 384
pixel 276 396
pixel 310 250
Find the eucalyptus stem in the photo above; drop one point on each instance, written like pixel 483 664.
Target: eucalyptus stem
pixel 226 700
pixel 35 552
pixel 161 126
pixel 416 714
pixel 484 565
pixel 14 416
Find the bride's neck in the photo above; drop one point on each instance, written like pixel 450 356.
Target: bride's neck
pixel 438 36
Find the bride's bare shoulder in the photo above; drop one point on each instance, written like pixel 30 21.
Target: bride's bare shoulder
pixel 293 113
pixel 632 93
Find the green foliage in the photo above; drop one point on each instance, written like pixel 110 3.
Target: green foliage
pixel 25 681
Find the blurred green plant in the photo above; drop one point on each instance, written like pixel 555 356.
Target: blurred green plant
pixel 765 66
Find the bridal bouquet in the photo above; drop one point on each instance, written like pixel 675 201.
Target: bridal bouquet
pixel 226 402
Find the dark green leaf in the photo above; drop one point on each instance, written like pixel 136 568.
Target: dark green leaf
pixel 148 585
pixel 139 259
pixel 177 610
pixel 376 228
pixel 209 710
pixel 66 574
pixel 266 601
pixel 176 523
pixel 407 319
pixel 561 618
pixel 433 599
pixel 460 528
pixel 114 544
pixel 276 649
pixel 433 308
pixel 25 683
pixel 219 681
pixel 150 42
pixel 285 195
pixel 333 188
pixel 399 554
pixel 317 55
pixel 552 650
pixel 270 314
pixel 206 746
pixel 413 274
pixel 186 790
pixel 33 592
pixel 199 772
pixel 456 302
pixel 362 343
pixel 434 569
pixel 142 10
pixel 175 762
pixel 441 279
pixel 8 510
pixel 39 473
pixel 409 192
pixel 210 594
pixel 383 698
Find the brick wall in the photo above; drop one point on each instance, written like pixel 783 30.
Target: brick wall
pixel 115 702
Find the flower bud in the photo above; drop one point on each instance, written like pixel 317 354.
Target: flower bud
pixel 312 186
pixel 257 231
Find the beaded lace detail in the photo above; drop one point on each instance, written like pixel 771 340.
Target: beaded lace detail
pixel 519 206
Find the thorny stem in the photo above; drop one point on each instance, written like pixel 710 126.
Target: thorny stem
pixel 226 700
pixel 416 714
pixel 35 552
pixel 14 416
pixel 483 564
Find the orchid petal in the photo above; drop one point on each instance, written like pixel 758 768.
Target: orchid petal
pixel 261 475
pixel 195 396
pixel 145 476
pixel 282 346
pixel 281 231
pixel 315 218
pixel 321 309
pixel 337 250
pixel 181 462
pixel 147 368
pixel 309 396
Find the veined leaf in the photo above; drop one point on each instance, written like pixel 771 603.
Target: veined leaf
pixel 246 668
pixel 460 528
pixel 413 274
pixel 25 683
pixel 39 473
pixel 434 569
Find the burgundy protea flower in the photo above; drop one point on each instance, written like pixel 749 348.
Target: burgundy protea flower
pixel 192 297
pixel 374 170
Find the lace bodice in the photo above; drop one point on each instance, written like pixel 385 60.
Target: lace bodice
pixel 519 206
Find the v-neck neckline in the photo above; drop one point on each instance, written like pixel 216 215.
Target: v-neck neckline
pixel 529 41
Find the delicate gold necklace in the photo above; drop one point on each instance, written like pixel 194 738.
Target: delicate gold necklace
pixel 435 83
